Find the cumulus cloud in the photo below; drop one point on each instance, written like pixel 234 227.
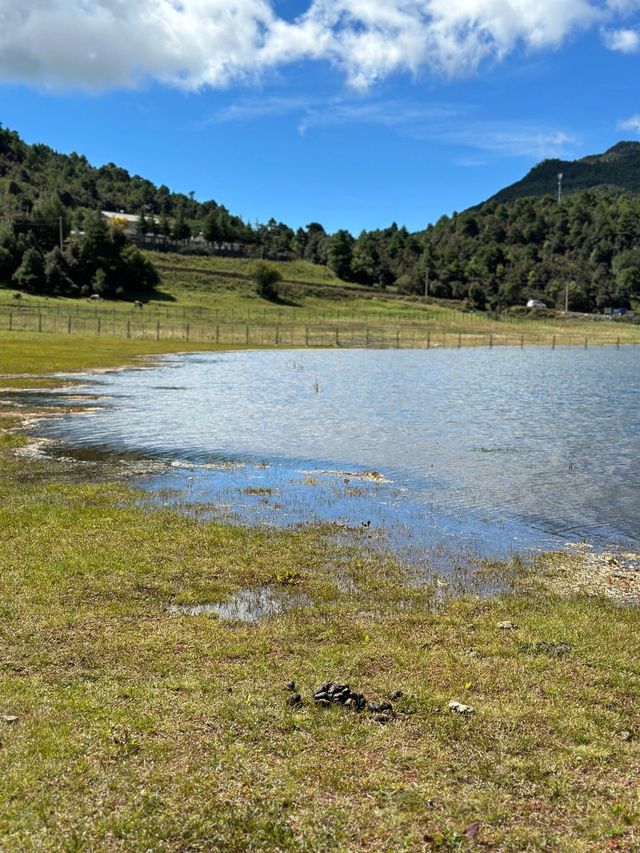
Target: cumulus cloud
pixel 96 44
pixel 623 41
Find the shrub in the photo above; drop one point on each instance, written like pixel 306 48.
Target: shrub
pixel 266 278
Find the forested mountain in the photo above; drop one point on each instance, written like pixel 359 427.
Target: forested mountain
pixel 27 170
pixel 494 256
pixel 617 170
pixel 504 254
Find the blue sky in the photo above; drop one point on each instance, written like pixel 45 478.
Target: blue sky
pixel 354 113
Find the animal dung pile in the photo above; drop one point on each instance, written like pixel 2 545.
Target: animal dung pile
pixel 333 693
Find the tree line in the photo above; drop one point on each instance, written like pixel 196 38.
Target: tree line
pixel 494 256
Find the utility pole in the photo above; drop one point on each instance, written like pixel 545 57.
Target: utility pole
pixel 61 234
pixel 566 284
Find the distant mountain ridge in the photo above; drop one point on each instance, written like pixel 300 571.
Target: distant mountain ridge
pixel 617 170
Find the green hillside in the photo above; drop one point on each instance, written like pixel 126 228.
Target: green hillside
pixel 617 170
pixel 495 256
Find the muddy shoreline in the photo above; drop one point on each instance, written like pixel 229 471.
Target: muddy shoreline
pixel 612 572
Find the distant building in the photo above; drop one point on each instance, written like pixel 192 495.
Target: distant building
pixel 128 222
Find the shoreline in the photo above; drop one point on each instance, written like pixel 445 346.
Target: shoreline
pixel 576 568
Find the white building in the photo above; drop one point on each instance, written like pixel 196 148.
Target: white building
pixel 127 221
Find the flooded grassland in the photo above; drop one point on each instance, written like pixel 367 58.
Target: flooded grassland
pixel 149 642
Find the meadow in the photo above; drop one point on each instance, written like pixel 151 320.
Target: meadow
pixel 214 301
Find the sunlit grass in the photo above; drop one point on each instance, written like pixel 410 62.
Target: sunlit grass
pixel 199 299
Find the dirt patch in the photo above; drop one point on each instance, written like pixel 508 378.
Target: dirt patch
pixel 610 574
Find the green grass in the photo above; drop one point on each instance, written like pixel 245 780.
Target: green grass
pixel 29 353
pixel 140 730
pixel 297 270
pixel 197 294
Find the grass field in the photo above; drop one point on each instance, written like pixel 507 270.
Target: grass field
pixel 199 294
pixel 125 727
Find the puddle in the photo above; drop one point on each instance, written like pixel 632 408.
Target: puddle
pixel 248 605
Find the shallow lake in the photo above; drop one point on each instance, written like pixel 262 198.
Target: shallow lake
pixel 485 451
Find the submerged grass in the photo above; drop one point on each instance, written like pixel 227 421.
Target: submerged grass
pixel 141 730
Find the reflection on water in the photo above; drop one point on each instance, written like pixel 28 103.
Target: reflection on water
pixel 489 450
pixel 248 605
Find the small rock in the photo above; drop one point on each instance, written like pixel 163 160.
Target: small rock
pixel 459 708
pixel 397 694
pixel 359 700
pixel 291 685
pixel 557 649
pixel 381 718
pixel 294 699
pixel 322 703
pixel 9 719
pixel 507 626
pixel 626 735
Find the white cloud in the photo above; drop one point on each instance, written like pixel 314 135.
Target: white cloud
pixel 623 41
pixel 513 141
pixel 632 123
pixel 459 124
pixel 96 44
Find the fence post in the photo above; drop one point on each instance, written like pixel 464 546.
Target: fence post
pixel 217 334
pixel 521 341
pixel 246 335
pixel 617 343
pixel 10 321
pixel 187 332
pixel 39 322
pixel 428 340
pixel 585 342
pixel 553 342
pixel 398 339
pixel 128 328
pixel 99 324
pixel 367 336
pixel 459 340
pixel 337 337
pixel 306 336
pixel 158 330
pixel 277 334
pixel 69 325
pixel 490 340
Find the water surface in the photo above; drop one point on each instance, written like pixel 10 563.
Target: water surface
pixel 486 450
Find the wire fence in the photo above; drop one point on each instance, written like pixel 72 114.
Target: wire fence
pixel 290 314
pixel 293 334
